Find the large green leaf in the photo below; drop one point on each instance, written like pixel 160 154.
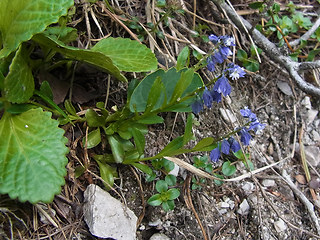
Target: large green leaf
pixel 32 156
pixel 94 58
pixel 170 79
pixel 20 20
pixel 19 83
pixel 127 55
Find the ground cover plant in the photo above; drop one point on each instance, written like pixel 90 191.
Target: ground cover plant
pixel 33 151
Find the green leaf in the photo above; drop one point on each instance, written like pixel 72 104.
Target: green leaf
pixel 183 83
pixel 173 193
pixel 187 136
pixel 218 182
pixel 106 173
pixel 249 165
pixel 19 108
pixel 139 98
pixel 94 138
pixel 171 147
pixel 143 167
pixel 19 83
pixel 161 186
pixel 70 108
pixel 228 169
pixel 117 149
pixel 93 119
pixel 242 55
pixel 32 156
pixel 139 140
pixel 154 94
pixel 183 58
pixel 20 20
pixel 96 59
pixel 252 66
pixel 205 142
pixel 127 55
pixel 256 5
pixel 168 205
pixel 45 89
pixel 171 180
pixel 155 200
pixel 64 34
pixel 151 120
pixel 312 54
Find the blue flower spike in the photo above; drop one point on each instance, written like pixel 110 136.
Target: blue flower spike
pixel 215 154
pixel 207 98
pixel 223 86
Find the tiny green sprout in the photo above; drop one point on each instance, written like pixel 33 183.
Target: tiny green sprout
pixel 165 196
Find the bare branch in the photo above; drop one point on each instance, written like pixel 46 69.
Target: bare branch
pixel 272 51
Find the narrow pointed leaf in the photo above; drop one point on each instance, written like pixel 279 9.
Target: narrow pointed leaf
pixel 116 148
pixel 32 156
pixel 106 173
pixel 205 142
pixel 154 94
pixel 174 145
pixel 94 138
pixel 143 167
pixel 151 120
pixel 183 58
pixel 139 140
pixel 128 55
pixel 20 20
pixel 187 136
pixel 19 83
pixel 183 83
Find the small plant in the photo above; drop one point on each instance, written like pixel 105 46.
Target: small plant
pixel 249 62
pixel 165 196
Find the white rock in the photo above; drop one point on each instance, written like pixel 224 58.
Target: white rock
pixel 280 225
pixel 159 236
pixel 155 223
pixel 106 216
pixel 244 208
pixel 284 87
pixel 268 182
pixel 306 102
pixel 175 171
pixel 315 135
pixel 227 115
pixel 248 187
pixel 311 115
pixel 223 205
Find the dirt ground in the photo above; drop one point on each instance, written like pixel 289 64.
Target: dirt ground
pixel 262 206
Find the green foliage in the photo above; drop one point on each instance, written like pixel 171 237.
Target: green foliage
pixel 249 62
pixel 32 156
pixel 20 20
pixel 228 169
pixel 165 196
pixel 174 95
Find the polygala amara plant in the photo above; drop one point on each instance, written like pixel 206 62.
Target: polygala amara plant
pixel 32 146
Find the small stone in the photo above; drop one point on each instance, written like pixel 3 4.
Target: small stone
pixel 248 187
pixel 311 115
pixel 159 236
pixel 284 87
pixel 315 135
pixel 301 179
pixel 312 154
pixel 223 205
pixel 223 211
pixel 231 204
pixel 244 208
pixel 175 170
pixel 155 223
pixel 280 225
pixel 268 182
pixel 106 216
pixel 306 103
pixel 227 115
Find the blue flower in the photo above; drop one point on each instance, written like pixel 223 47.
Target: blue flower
pixel 215 154
pixel 207 98
pixel 214 39
pixel 211 64
pixel 225 52
pixel 216 96
pixel 225 147
pixel 222 86
pixel 235 72
pixel 218 56
pixel 197 106
pixel 247 113
pixel 245 136
pixel 234 145
pixel 228 41
pixel 256 126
